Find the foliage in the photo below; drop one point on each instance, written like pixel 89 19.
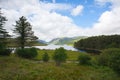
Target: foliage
pixel 5 52
pixel 14 68
pixel 59 56
pixel 111 58
pixel 24 31
pixel 98 42
pixel 84 59
pixel 71 55
pixel 3 33
pixel 27 53
pixel 45 57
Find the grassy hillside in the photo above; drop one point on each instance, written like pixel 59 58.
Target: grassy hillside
pixel 14 68
pixel 66 40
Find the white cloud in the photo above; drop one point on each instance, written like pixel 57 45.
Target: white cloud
pixel 109 21
pixel 77 10
pixel 55 6
pixel 46 24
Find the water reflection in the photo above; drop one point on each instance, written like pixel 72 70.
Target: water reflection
pixel 53 47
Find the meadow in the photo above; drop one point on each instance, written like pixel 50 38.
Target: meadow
pixel 71 55
pixel 15 68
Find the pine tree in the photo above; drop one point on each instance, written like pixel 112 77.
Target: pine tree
pixel 24 31
pixel 3 33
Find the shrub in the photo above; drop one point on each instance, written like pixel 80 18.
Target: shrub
pixel 27 53
pixel 5 52
pixel 110 58
pixel 60 56
pixel 84 59
pixel 45 57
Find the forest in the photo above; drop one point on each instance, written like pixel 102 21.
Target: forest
pixel 97 43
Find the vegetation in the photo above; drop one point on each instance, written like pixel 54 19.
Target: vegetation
pixel 59 56
pixel 71 55
pixel 94 44
pixel 45 57
pixel 13 43
pixel 110 58
pixel 3 36
pixel 66 40
pixel 84 59
pixel 5 52
pixel 24 31
pixel 26 53
pixel 3 33
pixel 14 68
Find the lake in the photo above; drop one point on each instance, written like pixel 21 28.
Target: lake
pixel 53 47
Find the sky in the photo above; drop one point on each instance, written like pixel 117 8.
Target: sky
pixel 64 18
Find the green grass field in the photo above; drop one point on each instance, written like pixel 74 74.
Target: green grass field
pixel 72 55
pixel 14 68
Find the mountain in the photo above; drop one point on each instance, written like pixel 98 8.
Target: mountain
pixel 42 41
pixel 66 40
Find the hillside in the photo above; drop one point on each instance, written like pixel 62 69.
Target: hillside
pixel 12 43
pixel 99 42
pixel 66 40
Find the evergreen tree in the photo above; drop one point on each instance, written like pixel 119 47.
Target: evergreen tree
pixel 60 56
pixel 3 36
pixel 3 32
pixel 24 31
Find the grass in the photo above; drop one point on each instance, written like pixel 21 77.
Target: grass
pixel 72 55
pixel 14 68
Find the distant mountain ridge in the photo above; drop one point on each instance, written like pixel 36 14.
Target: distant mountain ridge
pixel 66 40
pixel 42 41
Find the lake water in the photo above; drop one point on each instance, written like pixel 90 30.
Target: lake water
pixel 53 47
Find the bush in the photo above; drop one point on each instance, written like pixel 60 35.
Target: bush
pixel 27 53
pixel 60 56
pixel 110 58
pixel 45 57
pixel 84 59
pixel 5 52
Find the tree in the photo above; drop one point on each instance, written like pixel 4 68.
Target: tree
pixel 3 32
pixel 60 56
pixel 97 43
pixel 24 31
pixel 111 58
pixel 84 59
pixel 3 36
pixel 45 57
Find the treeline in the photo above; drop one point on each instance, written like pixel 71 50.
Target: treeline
pixel 97 43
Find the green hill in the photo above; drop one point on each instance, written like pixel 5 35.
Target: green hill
pixel 66 40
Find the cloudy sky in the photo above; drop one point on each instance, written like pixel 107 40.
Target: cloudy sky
pixel 65 18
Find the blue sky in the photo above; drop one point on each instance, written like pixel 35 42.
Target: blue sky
pixel 89 15
pixel 65 18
